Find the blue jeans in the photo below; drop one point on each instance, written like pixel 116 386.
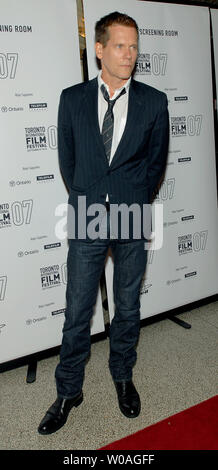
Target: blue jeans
pixel 85 264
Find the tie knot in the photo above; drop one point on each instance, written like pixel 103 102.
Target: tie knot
pixel 105 94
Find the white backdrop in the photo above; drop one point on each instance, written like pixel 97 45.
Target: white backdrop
pixel 39 56
pixel 174 56
pixel 214 18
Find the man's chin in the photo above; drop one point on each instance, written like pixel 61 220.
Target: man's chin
pixel 125 76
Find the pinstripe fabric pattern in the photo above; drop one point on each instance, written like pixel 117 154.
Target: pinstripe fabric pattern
pixel 139 159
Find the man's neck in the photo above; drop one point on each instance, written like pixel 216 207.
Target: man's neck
pixel 113 84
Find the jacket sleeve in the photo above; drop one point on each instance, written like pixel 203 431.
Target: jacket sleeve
pixel 158 147
pixel 65 141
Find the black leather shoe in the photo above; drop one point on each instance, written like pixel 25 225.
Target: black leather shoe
pixel 57 414
pixel 128 398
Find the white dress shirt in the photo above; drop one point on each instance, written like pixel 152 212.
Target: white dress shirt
pixel 120 110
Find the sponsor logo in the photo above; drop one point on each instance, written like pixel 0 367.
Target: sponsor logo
pixel 184 159
pixel 171 282
pixel 187 217
pixel 38 106
pixel 19 213
pixel 13 183
pixel 191 274
pixel 180 98
pixel 50 276
pixel 58 312
pixel 169 224
pixel 10 109
pixel 185 244
pixel 41 138
pixel 33 321
pixel 36 138
pixel 20 254
pixel 45 178
pixel 51 246
pixel 178 126
pixel 151 64
pixel 186 125
pixel 192 242
pixel 143 64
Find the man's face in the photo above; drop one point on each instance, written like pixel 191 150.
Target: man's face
pixel 119 55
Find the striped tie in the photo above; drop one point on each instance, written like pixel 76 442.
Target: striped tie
pixel 108 123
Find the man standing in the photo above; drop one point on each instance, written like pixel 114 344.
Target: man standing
pixel 113 141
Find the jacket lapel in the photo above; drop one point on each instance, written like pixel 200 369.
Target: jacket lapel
pixel 91 109
pixel 133 119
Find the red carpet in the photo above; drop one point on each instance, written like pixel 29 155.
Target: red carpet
pixel 193 429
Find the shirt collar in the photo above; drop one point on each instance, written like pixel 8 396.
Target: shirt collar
pixel 126 86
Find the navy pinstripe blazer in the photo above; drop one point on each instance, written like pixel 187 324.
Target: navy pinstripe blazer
pixel 139 160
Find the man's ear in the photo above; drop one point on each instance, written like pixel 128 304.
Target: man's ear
pixel 98 50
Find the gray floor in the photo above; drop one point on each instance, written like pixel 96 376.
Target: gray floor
pixel 175 370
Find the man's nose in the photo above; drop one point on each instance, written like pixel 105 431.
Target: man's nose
pixel 128 53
